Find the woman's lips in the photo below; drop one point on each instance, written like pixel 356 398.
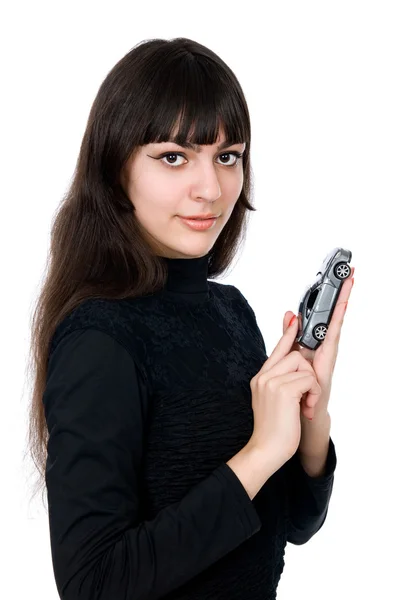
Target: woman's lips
pixel 199 224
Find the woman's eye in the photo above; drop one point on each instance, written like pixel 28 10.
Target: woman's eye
pixel 236 155
pixel 166 158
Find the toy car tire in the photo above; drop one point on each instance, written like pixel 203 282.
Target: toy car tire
pixel 319 331
pixel 342 270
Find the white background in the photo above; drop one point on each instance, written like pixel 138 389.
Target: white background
pixel 322 81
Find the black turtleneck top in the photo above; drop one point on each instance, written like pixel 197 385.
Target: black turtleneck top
pixel 146 400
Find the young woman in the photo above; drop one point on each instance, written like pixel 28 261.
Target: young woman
pixel 168 441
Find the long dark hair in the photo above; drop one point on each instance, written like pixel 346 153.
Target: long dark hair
pixel 97 247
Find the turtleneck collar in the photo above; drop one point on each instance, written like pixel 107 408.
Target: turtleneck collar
pixel 187 278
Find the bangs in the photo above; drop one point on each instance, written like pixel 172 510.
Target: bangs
pixel 194 101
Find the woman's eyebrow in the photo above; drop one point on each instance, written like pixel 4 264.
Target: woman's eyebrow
pixel 196 147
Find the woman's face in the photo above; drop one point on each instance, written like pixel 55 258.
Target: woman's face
pixel 189 183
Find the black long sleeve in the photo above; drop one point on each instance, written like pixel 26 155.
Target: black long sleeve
pixel 308 497
pixel 94 406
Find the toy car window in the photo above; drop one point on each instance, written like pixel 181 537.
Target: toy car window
pixel 312 299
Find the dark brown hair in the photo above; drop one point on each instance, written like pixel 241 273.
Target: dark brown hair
pixel 97 248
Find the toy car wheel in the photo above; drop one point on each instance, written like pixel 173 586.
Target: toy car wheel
pixel 342 270
pixel 319 331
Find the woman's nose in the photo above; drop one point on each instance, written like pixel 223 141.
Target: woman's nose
pixel 207 183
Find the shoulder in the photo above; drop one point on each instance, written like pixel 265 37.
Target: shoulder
pixel 91 350
pixel 238 308
pixel 232 294
pixel 225 290
pixel 106 317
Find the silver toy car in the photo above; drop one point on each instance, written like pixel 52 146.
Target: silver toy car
pixel 319 299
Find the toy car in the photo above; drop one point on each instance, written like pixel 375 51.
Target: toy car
pixel 319 299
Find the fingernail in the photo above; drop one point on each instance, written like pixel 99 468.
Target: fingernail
pixel 292 320
pixel 352 281
pixel 345 308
